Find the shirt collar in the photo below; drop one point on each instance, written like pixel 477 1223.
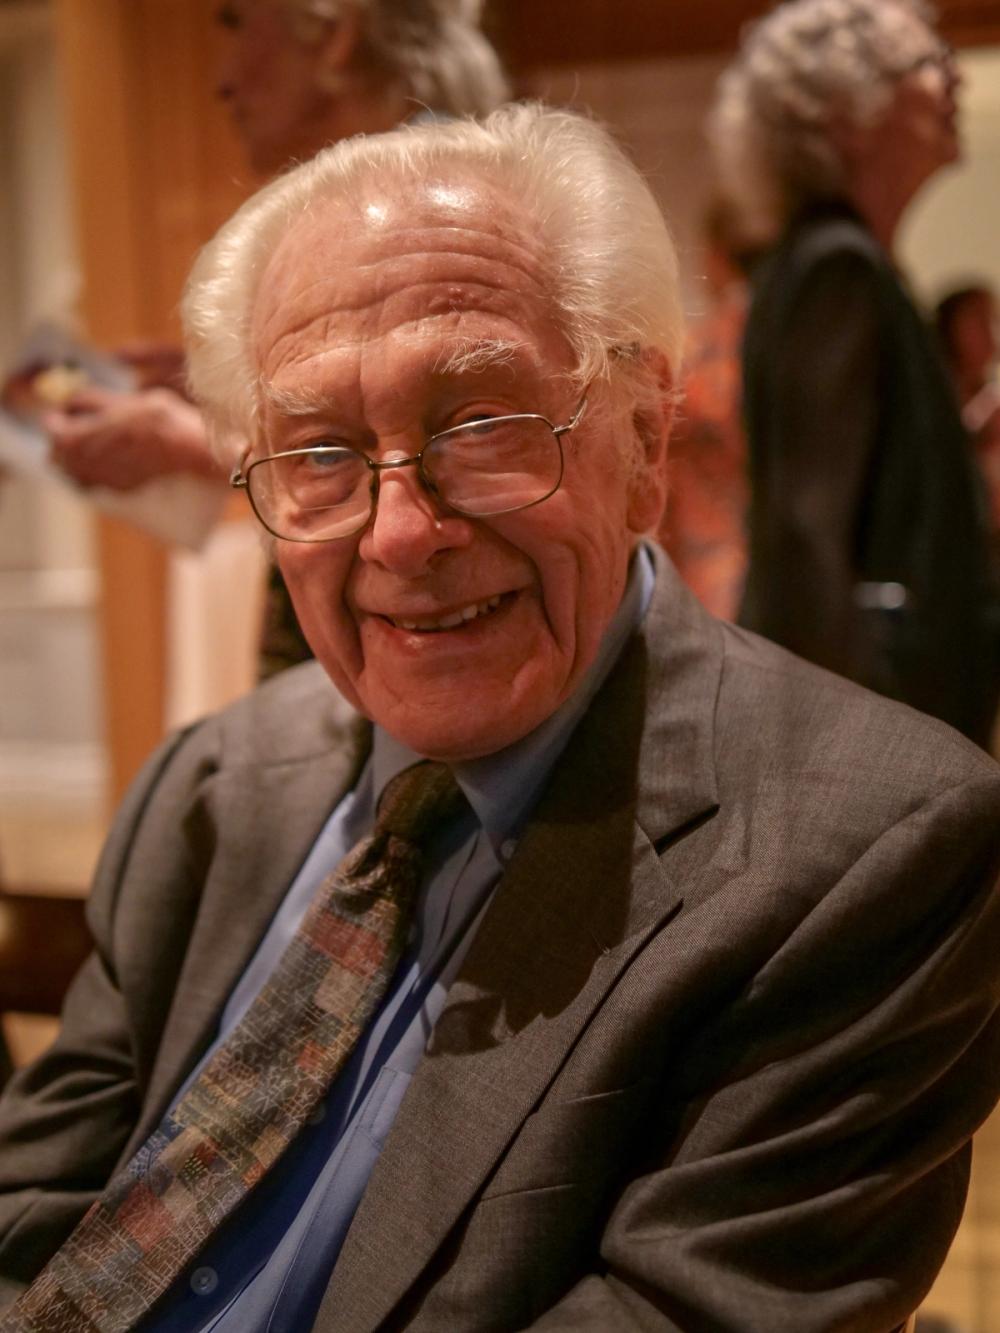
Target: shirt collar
pixel 502 788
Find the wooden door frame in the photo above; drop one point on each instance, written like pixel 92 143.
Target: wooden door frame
pixel 155 170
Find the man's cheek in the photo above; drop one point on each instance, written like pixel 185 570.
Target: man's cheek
pixel 326 621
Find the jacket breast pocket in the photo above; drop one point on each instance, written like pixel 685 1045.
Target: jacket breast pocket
pixel 567 1143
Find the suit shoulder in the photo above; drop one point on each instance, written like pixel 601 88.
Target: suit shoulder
pixel 822 732
pixel 296 720
pixel 832 252
pixel 838 236
pixel 294 716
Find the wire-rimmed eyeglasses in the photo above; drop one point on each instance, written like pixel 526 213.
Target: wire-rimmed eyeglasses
pixel 483 468
pixel 938 55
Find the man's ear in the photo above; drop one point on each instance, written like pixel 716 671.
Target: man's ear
pixel 339 48
pixel 647 493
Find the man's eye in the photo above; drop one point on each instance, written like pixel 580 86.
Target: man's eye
pixel 325 458
pixel 322 476
pixel 493 436
pixel 473 413
pixel 480 423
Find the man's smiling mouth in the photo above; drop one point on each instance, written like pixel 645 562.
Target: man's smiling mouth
pixel 454 619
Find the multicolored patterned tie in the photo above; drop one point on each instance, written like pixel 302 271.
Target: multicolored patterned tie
pixel 257 1090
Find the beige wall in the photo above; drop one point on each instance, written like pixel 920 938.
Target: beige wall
pixel 953 231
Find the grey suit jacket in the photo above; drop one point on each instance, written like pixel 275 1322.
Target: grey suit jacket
pixel 713 1059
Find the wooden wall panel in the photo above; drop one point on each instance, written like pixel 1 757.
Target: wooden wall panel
pixel 563 32
pixel 155 170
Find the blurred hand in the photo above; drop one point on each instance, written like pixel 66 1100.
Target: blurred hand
pixel 157 365
pixel 121 440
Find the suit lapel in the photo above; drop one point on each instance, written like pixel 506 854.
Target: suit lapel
pixel 266 819
pixel 584 892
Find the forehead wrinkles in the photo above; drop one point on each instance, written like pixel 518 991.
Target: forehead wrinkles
pixel 391 278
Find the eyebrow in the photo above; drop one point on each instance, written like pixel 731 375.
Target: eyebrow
pixel 473 356
pixel 304 403
pixel 476 355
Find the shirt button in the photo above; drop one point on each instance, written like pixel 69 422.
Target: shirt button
pixel 507 848
pixel 204 1281
pixel 318 1114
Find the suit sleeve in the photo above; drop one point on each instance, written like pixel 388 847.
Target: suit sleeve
pixel 65 1119
pixel 820 1171
pixel 814 427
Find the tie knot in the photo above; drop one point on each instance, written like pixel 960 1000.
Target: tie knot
pixel 417 800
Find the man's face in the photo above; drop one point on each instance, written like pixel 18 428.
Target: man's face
pixel 268 78
pixel 457 635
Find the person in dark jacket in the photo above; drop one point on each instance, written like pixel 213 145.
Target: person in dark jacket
pixel 868 550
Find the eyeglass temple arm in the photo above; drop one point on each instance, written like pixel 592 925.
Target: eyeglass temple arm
pixel 573 421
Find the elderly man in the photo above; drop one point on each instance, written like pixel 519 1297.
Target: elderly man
pixel 664 997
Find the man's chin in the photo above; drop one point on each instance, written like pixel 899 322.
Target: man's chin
pixel 452 743
pixel 471 726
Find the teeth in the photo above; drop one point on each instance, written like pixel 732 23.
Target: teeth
pixel 456 618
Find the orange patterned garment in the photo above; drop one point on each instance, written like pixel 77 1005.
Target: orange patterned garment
pixel 703 528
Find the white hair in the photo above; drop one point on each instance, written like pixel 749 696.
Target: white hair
pixel 435 47
pixel 798 67
pixel 609 260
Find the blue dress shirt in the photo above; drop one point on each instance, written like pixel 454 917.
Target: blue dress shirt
pixel 266 1269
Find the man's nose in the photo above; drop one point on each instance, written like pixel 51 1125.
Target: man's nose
pixel 410 526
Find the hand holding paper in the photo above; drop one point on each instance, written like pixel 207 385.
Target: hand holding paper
pixel 75 417
pixel 101 437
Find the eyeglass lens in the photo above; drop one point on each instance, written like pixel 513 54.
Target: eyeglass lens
pixel 488 467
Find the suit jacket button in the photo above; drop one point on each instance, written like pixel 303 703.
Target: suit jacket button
pixel 204 1281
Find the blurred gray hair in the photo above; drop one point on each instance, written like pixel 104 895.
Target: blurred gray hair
pixel 797 67
pixel 610 261
pixel 436 47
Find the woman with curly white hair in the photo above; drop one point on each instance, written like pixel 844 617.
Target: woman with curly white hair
pixel 867 550
pixel 300 74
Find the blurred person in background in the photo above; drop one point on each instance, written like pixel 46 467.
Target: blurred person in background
pixel 297 75
pixel 966 324
pixel 867 541
pixel 704 524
